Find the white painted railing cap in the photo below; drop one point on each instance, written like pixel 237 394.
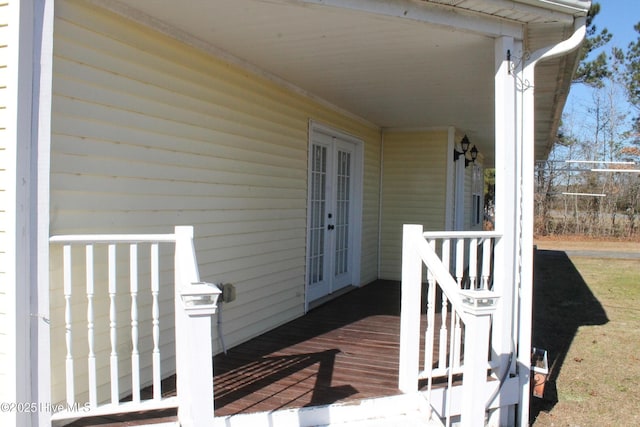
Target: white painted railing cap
pixel 200 298
pixel 479 301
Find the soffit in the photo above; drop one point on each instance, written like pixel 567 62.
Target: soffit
pixel 392 71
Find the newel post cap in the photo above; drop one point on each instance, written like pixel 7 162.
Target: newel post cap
pixel 479 301
pixel 200 298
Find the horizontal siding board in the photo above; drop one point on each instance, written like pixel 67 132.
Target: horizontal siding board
pixel 182 188
pixel 186 86
pixel 263 296
pixel 210 142
pixel 264 261
pixel 261 287
pixel 154 125
pixel 103 137
pixel 171 118
pixel 221 271
pixel 105 201
pixel 287 300
pixel 217 223
pixel 260 326
pixel 190 140
pixel 156 174
pixel 196 102
pixel 230 253
pixel 414 185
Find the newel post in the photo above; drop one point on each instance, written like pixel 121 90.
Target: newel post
pixel 195 302
pixel 410 310
pixel 478 306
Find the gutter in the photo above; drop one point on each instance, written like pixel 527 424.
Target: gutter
pixel 562 48
pixel 573 7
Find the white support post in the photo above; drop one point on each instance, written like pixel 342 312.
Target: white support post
pixel 526 246
pixel 410 310
pixel 506 209
pixel 194 358
pixel 476 348
pixel 26 94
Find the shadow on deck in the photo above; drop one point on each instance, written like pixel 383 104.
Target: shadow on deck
pixel 562 303
pixel 344 350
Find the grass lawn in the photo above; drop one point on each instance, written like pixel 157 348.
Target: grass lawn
pixel 587 315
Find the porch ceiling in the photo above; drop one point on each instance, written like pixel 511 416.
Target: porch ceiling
pixel 380 63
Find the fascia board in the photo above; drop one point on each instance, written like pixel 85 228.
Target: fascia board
pixel 572 7
pixel 432 13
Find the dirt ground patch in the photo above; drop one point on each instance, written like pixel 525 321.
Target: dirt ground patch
pixel 587 316
pixel 565 243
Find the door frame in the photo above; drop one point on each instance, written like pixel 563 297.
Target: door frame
pixel 355 217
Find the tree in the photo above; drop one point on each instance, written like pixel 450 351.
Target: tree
pixel 631 79
pixel 597 134
pixel 592 72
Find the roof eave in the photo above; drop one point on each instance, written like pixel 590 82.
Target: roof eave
pixel 572 7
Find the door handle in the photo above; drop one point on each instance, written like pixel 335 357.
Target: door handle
pixel 330 227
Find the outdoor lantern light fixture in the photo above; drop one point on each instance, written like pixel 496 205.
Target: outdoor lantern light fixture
pixel 474 156
pixel 464 144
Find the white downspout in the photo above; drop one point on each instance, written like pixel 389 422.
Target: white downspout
pixel 526 206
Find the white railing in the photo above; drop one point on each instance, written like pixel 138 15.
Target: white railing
pixel 459 303
pixel 113 301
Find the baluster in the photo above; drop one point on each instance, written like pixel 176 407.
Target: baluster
pixel 457 332
pixel 135 354
pixel 91 362
pixel 453 362
pixel 473 263
pixel 155 321
pixel 67 324
pixel 457 348
pixel 115 395
pixel 446 254
pixel 486 262
pixel 431 318
pixel 459 261
pixel 442 347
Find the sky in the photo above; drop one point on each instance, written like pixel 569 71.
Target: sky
pixel 619 17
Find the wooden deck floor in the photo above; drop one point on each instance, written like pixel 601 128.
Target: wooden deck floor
pixel 344 350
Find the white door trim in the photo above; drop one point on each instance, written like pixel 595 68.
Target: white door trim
pixel 356 212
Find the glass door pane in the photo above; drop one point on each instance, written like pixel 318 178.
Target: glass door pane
pixel 343 199
pixel 317 205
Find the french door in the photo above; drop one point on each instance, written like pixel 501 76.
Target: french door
pixel 332 208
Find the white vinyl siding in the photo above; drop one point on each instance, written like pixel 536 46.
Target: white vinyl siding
pixel 413 190
pixel 149 133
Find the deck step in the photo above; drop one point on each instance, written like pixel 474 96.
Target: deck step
pixel 416 419
pixel 401 410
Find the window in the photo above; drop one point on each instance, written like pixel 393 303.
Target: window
pixel 476 196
